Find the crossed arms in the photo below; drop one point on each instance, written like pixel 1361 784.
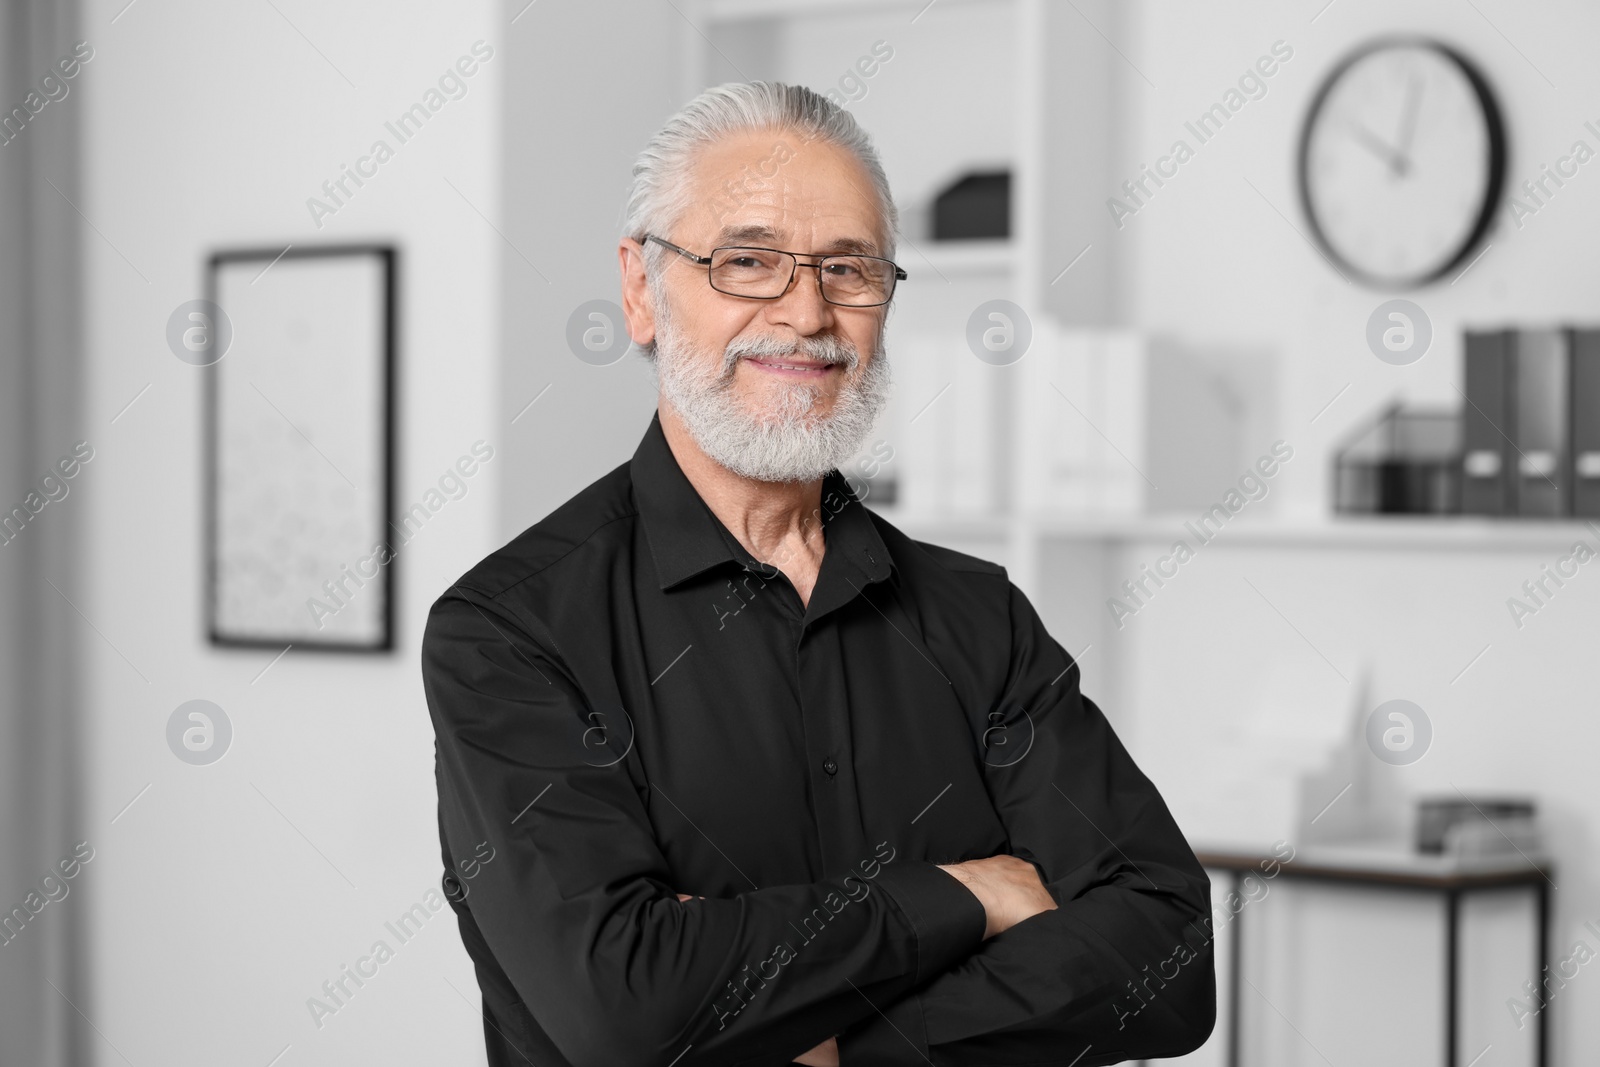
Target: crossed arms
pixel 958 965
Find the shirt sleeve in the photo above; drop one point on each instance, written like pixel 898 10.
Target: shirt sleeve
pixel 1123 967
pixel 578 906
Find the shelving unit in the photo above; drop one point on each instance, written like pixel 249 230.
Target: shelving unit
pixel 1005 61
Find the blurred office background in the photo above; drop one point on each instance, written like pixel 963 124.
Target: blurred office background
pixel 1184 337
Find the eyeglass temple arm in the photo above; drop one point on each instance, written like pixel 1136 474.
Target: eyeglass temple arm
pixel 704 261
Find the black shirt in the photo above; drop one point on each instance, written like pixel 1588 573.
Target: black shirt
pixel 627 707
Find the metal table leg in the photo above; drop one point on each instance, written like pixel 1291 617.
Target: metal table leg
pixel 1543 1022
pixel 1452 971
pixel 1235 972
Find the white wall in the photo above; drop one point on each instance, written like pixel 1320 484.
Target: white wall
pixel 214 913
pixel 1226 700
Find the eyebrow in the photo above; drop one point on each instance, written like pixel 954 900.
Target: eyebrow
pixel 740 234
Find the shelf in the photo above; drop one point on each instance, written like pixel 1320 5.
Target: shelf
pixel 741 10
pixel 933 260
pixel 1464 533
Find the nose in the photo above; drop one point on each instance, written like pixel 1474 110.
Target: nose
pixel 801 306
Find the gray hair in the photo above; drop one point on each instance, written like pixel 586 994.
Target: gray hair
pixel 660 192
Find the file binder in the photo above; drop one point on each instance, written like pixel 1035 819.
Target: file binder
pixel 1539 422
pixel 1583 461
pixel 1487 456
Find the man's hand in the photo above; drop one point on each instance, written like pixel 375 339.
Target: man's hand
pixel 824 1055
pixel 1008 887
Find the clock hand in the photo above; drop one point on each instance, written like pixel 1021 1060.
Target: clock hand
pixel 1408 125
pixel 1378 148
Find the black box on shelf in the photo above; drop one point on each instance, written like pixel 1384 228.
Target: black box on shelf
pixel 1475 824
pixel 1404 462
pixel 976 205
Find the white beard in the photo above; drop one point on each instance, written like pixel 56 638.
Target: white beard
pixel 780 444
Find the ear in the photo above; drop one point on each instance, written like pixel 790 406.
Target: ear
pixel 636 306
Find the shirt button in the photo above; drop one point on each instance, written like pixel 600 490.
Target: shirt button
pixel 830 766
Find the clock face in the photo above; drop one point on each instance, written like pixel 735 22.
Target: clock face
pixel 1402 162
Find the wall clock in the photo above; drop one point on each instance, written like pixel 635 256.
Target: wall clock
pixel 1402 161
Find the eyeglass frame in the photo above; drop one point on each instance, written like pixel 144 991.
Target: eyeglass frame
pixel 705 261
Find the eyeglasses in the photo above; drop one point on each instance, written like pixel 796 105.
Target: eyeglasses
pixel 766 273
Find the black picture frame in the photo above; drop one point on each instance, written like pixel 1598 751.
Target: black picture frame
pixel 220 631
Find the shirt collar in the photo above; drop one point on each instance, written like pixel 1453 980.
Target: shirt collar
pixel 686 537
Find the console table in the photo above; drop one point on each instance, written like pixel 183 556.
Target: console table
pixel 1396 868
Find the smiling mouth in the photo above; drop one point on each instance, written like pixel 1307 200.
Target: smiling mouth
pixel 793 366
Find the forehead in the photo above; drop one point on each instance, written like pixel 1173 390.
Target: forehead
pixel 771 187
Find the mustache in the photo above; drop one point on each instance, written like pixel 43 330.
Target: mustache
pixel 823 347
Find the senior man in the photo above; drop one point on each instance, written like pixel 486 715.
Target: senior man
pixel 732 771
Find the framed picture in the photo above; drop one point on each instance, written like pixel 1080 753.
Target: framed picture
pixel 299 444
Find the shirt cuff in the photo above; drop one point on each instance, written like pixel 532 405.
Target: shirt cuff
pixel 946 916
